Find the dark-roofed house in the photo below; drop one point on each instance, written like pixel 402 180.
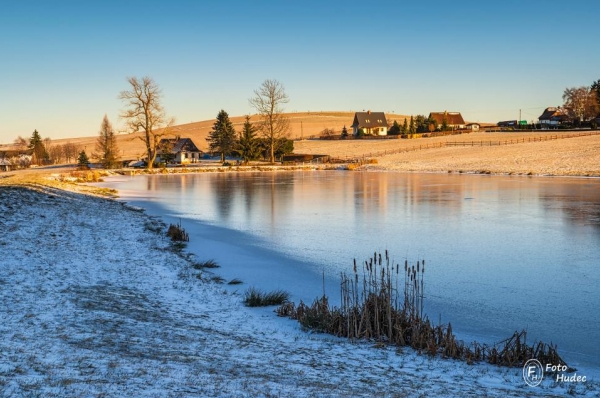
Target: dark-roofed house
pixel 372 123
pixel 5 164
pixel 454 120
pixel 178 150
pixel 553 116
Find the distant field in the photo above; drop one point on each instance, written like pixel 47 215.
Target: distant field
pixel 561 157
pixel 572 156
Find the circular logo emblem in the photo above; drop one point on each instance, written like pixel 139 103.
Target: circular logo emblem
pixel 533 372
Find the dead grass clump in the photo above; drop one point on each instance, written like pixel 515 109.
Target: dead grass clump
pixel 206 264
pixel 385 302
pixel 235 281
pixel 87 176
pixel 177 233
pixel 257 298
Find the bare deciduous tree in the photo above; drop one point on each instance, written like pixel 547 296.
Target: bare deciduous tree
pixel 56 153
pixel 581 102
pixel 21 144
pixel 273 124
pixel 70 151
pixel 144 112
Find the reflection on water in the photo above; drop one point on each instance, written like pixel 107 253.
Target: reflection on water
pixel 504 253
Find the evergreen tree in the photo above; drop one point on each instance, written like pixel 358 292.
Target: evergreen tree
pixel 405 127
pixel 395 129
pixel 412 128
pixel 222 137
pixel 83 161
pixel 248 145
pixel 106 145
pixel 37 146
pixel 344 133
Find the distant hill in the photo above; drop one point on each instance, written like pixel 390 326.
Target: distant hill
pixel 302 125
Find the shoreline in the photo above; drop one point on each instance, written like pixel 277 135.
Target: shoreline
pixel 241 327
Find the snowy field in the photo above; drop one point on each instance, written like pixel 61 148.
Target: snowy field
pixel 96 301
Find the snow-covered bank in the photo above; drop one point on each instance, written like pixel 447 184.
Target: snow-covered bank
pixel 93 301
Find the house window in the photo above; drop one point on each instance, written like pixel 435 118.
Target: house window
pixel 185 155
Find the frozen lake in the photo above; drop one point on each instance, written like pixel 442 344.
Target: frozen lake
pixel 502 253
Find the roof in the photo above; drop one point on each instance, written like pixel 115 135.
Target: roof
pixel 552 113
pixel 452 118
pixel 369 119
pixel 180 145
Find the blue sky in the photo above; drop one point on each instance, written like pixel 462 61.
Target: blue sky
pixel 64 63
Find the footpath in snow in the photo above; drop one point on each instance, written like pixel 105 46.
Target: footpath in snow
pixel 96 301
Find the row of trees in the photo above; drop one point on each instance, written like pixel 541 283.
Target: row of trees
pixel 247 145
pixel 582 103
pixel 144 113
pixel 43 151
pixel 418 124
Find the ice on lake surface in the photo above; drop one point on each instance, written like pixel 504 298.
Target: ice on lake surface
pixel 503 253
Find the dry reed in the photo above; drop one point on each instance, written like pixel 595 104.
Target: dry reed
pixel 177 233
pixel 385 302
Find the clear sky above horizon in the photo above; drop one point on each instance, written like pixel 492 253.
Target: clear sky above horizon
pixel 64 63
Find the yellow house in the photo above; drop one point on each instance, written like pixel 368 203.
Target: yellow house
pixel 372 123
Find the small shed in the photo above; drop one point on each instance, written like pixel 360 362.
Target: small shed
pixel 473 127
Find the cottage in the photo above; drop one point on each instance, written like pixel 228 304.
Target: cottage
pixel 454 120
pixel 5 165
pixel 553 116
pixel 371 123
pixel 178 150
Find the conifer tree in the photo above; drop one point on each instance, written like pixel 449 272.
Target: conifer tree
pixel 405 127
pixel 412 127
pixel 395 129
pixel 222 136
pixel 344 133
pixel 83 160
pixel 37 146
pixel 106 145
pixel 248 145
